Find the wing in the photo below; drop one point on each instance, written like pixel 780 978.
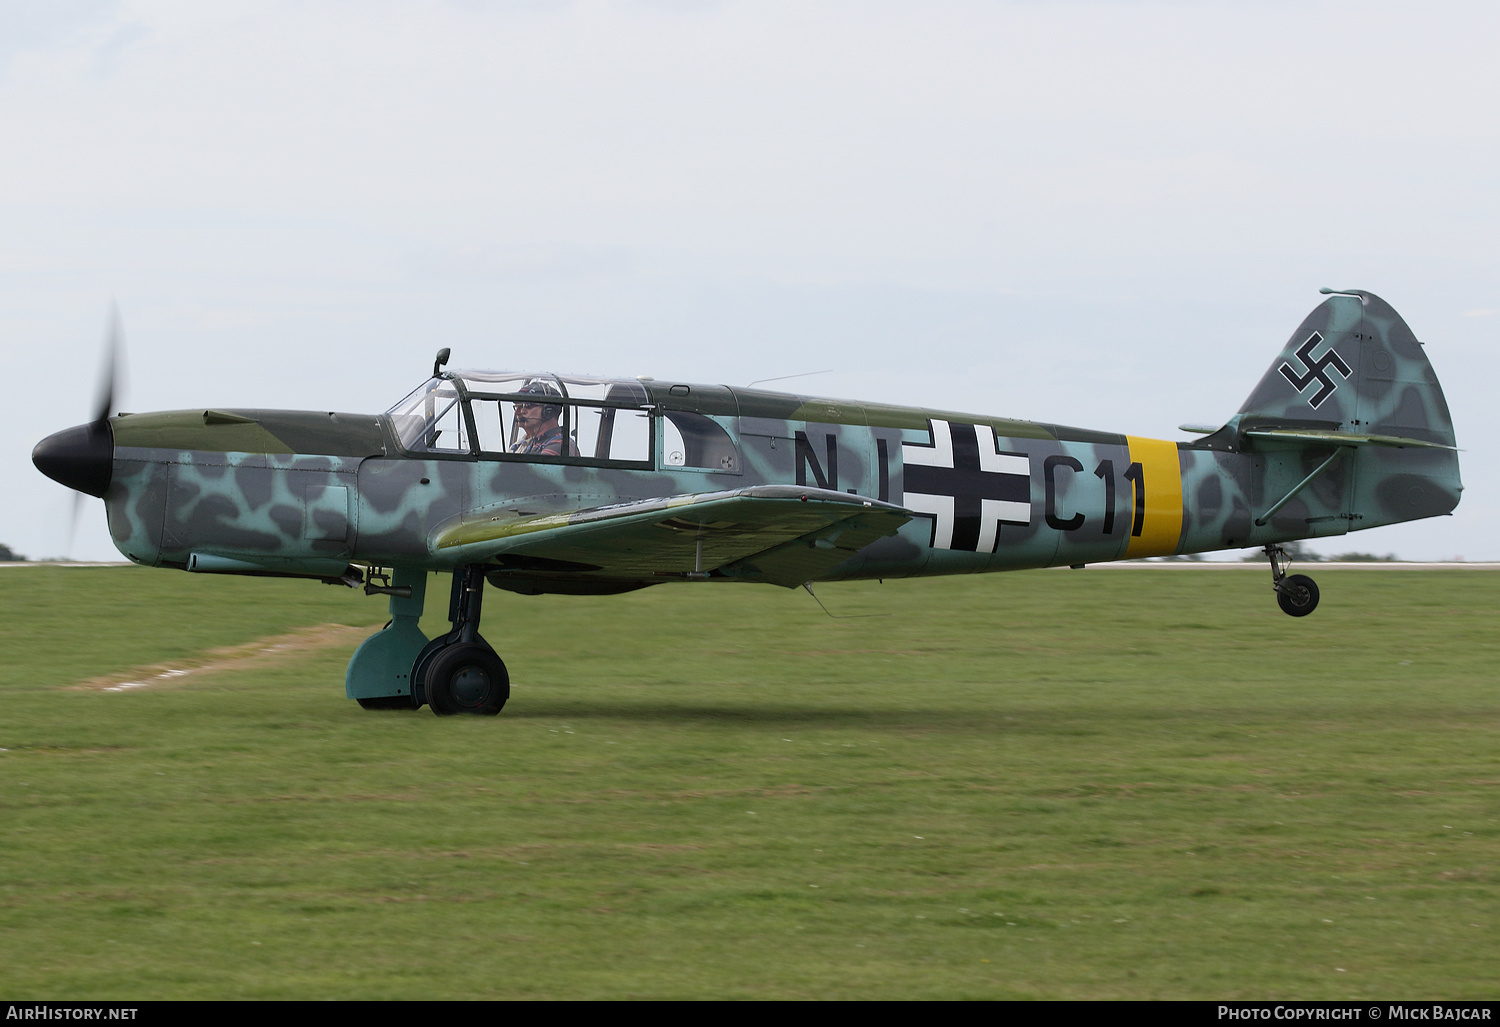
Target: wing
pixel 784 535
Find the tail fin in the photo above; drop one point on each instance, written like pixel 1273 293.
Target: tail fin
pixel 1353 366
pixel 1348 426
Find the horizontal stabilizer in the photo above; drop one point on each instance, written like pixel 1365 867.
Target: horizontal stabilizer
pixel 1342 438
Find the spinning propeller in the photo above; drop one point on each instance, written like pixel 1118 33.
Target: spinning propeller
pixel 82 457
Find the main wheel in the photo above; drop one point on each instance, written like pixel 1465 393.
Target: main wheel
pixel 467 677
pixel 388 702
pixel 1298 595
pixel 423 662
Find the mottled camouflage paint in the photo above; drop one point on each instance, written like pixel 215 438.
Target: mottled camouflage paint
pixel 309 492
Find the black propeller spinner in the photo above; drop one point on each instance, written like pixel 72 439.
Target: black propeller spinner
pixel 82 457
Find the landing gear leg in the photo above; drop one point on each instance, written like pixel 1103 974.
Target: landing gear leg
pixel 379 674
pixel 1296 594
pixel 459 672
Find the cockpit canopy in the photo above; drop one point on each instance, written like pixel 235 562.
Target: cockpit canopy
pixel 475 412
pixel 571 419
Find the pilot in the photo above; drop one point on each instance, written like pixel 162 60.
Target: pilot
pixel 543 435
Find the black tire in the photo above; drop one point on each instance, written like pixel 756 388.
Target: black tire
pixel 1298 595
pixel 467 677
pixel 424 660
pixel 419 669
pixel 388 702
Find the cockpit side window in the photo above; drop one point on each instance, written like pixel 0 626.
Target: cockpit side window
pixel 618 432
pixel 693 440
pixel 496 426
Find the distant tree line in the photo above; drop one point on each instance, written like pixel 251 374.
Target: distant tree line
pixel 9 555
pixel 1298 551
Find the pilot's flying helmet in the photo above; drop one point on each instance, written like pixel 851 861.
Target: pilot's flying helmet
pixel 537 387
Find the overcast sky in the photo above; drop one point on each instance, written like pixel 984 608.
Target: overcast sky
pixel 1106 214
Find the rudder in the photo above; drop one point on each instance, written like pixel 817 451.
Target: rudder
pixel 1354 378
pixel 1352 366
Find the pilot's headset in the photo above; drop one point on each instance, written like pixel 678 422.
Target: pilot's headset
pixel 540 388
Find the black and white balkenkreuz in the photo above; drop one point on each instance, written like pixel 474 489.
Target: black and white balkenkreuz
pixel 966 485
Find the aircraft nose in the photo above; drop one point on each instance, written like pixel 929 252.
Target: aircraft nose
pixel 81 457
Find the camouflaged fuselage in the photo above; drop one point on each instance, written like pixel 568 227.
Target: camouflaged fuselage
pixel 309 493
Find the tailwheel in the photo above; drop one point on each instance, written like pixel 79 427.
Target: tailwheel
pixel 1297 595
pixel 466 677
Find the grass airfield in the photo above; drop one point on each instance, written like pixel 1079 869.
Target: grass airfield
pixel 1108 784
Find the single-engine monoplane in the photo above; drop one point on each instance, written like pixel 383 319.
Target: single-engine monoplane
pixel 544 483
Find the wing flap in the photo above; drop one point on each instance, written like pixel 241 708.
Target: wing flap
pixel 809 556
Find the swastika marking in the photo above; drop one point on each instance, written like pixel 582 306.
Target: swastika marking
pixel 1317 370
